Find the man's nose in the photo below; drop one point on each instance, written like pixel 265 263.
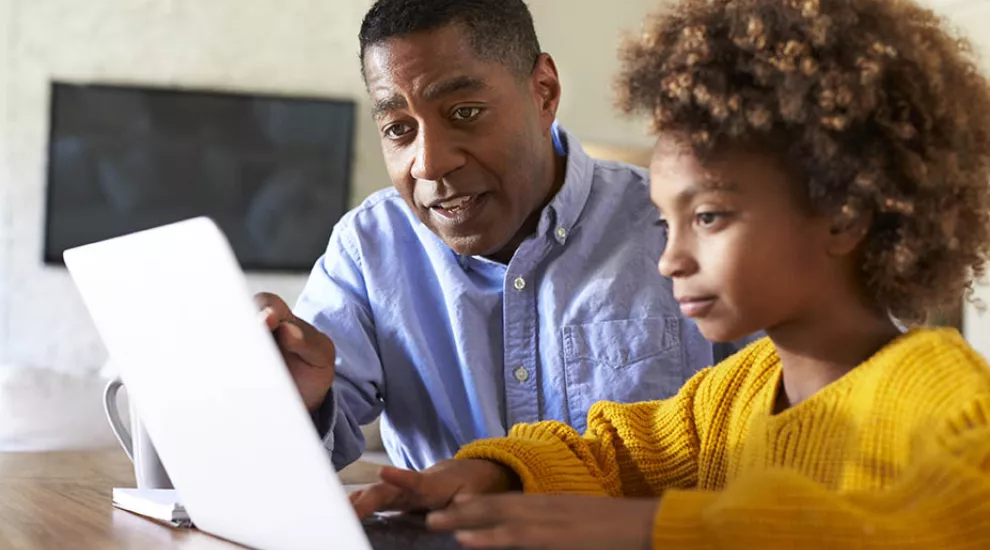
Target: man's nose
pixel 437 155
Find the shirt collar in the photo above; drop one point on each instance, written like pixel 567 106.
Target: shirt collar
pixel 565 209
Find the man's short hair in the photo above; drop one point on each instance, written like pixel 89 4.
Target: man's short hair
pixel 498 30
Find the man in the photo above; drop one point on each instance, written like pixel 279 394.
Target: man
pixel 506 277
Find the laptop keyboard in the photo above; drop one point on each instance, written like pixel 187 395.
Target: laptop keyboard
pixel 406 532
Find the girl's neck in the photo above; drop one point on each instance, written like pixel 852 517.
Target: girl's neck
pixel 820 349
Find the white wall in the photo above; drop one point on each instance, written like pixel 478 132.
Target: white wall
pixel 583 37
pixel 5 21
pixel 285 46
pixel 304 46
pixel 973 18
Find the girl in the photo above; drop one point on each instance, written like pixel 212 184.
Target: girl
pixel 822 167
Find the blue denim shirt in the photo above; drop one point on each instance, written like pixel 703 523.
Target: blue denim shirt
pixel 453 348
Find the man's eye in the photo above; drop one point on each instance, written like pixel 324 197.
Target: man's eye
pixel 466 113
pixel 396 131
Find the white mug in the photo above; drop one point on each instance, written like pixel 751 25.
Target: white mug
pixel 148 469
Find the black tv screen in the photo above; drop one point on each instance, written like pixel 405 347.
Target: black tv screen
pixel 273 172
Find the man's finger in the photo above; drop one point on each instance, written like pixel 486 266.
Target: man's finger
pixel 273 309
pixel 313 347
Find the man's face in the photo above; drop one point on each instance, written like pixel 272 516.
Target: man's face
pixel 466 142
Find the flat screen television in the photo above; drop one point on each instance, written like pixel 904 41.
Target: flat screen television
pixel 273 172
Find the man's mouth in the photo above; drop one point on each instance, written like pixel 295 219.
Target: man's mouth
pixel 454 205
pixel 458 210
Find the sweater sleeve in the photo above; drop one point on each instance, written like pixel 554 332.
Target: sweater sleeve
pixel 942 500
pixel 628 450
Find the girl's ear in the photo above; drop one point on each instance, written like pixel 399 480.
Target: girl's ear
pixel 847 231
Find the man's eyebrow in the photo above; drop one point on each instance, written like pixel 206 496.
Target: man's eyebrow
pixel 393 102
pixel 437 90
pixel 463 83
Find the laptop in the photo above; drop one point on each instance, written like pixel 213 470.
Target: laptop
pixel 173 308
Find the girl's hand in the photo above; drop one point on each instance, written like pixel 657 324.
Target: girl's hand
pixel 565 522
pixel 434 488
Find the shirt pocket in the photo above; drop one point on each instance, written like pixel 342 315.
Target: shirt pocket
pixel 625 361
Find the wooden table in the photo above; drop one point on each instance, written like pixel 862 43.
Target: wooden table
pixel 63 500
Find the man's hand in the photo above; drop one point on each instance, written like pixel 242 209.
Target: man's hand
pixel 548 522
pixel 434 488
pixel 307 352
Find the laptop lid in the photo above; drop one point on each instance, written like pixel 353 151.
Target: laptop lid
pixel 207 380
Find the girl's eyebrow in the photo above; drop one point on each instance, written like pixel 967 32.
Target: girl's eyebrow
pixel 708 186
pixel 714 183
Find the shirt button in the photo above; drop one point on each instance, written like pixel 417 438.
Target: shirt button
pixel 522 374
pixel 519 283
pixel 561 233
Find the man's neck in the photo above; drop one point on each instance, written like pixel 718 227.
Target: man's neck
pixel 821 349
pixel 559 171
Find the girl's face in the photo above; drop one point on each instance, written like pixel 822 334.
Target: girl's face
pixel 744 250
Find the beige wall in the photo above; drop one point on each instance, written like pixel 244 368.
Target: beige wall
pixel 4 178
pixel 973 18
pixel 294 46
pixel 583 37
pixel 285 46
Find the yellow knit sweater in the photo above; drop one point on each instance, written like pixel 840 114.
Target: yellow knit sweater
pixel 895 454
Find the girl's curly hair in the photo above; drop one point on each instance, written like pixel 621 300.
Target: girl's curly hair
pixel 877 105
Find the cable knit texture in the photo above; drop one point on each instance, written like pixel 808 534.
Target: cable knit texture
pixel 895 454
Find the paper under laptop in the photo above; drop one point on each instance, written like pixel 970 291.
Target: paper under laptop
pixel 165 504
pixel 160 504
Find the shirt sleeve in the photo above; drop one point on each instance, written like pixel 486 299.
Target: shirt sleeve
pixel 335 301
pixel 325 419
pixel 942 500
pixel 635 450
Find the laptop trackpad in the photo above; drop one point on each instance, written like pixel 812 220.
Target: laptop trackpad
pixel 405 532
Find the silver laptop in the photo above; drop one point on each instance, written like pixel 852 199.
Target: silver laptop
pixel 174 310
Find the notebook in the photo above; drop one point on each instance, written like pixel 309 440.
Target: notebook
pixel 217 399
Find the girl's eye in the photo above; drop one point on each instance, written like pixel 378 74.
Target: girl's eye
pixel 466 113
pixel 708 219
pixel 661 222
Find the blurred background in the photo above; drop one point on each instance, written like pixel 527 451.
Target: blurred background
pixel 98 98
